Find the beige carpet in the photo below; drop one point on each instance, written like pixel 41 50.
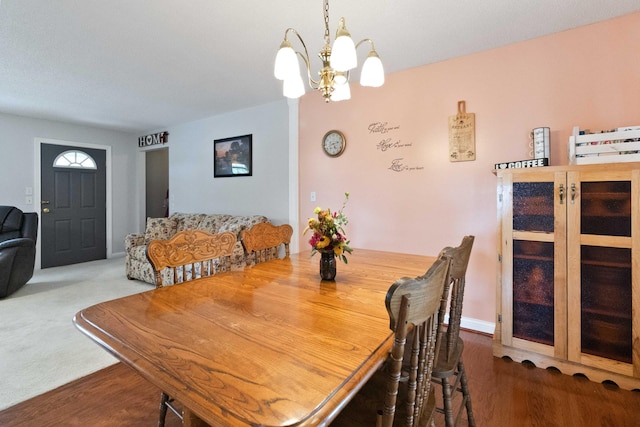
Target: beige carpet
pixel 40 349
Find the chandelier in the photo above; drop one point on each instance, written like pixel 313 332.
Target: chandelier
pixel 337 62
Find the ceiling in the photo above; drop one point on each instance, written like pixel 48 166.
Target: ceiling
pixel 137 65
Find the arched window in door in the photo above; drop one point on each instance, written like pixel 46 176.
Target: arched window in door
pixel 74 159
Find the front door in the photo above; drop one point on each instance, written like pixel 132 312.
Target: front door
pixel 73 205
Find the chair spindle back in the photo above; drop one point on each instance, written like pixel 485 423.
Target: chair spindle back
pixel 191 254
pixel 262 241
pixel 414 302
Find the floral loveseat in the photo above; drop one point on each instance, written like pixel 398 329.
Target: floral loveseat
pixel 138 266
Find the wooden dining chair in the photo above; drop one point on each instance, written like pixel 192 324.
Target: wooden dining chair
pixel 385 401
pixel 262 241
pixel 449 371
pixel 190 254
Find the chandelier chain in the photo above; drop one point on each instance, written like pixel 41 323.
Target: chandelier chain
pixel 327 37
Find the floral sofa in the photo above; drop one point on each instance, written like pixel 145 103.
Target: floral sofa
pixel 138 266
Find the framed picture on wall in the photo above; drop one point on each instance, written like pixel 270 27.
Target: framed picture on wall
pixel 232 156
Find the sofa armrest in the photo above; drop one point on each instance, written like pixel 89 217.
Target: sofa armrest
pixel 19 242
pixel 132 240
pixel 30 225
pixel 17 257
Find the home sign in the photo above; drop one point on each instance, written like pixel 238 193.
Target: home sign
pixel 153 139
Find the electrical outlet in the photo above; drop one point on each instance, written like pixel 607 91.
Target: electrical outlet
pixel 313 196
pixel 28 200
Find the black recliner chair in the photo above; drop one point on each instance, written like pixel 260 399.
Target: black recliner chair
pixel 18 234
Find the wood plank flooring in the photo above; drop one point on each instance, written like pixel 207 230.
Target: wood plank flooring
pixel 504 394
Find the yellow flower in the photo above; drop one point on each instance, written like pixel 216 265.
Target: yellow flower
pixel 323 242
pixel 317 210
pixel 338 250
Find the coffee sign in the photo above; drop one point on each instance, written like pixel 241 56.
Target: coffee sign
pixel 529 163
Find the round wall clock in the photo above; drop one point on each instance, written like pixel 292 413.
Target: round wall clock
pixel 333 143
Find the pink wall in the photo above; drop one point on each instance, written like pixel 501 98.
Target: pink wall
pixel 588 77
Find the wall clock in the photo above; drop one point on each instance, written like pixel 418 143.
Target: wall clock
pixel 334 143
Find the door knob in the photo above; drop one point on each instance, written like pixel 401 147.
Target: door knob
pixel 45 210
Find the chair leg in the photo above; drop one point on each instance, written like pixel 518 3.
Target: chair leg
pixel 448 404
pixel 459 385
pixel 465 393
pixel 163 409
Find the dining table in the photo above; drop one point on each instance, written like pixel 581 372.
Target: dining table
pixel 270 345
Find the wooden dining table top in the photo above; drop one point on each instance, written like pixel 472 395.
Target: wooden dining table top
pixel 271 345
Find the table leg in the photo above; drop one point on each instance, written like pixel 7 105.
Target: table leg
pixel 192 420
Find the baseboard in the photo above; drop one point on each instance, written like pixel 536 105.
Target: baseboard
pixel 478 325
pixel 475 325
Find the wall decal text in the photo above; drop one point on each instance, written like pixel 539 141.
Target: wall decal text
pixel 388 144
pixel 398 166
pixel 380 127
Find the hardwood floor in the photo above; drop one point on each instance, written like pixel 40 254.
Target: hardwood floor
pixel 504 394
pixel 114 396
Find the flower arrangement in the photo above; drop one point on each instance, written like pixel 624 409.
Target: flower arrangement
pixel 328 232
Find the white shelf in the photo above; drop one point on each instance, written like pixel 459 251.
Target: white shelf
pixel 608 147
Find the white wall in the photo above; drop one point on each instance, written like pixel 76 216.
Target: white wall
pixel 192 187
pixel 17 134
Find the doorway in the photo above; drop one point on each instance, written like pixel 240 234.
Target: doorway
pixel 157 183
pixel 43 240
pixel 73 205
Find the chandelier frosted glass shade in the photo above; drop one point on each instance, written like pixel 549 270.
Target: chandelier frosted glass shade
pixel 341 92
pixel 340 78
pixel 286 62
pixel 293 87
pixel 343 54
pixel 372 71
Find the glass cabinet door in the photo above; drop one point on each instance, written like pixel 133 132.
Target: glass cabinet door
pixel 601 279
pixel 531 262
pixel 605 302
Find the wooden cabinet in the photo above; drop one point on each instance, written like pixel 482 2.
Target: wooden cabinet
pixel 568 294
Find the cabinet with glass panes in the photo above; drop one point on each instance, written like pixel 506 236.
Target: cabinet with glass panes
pixel 569 238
